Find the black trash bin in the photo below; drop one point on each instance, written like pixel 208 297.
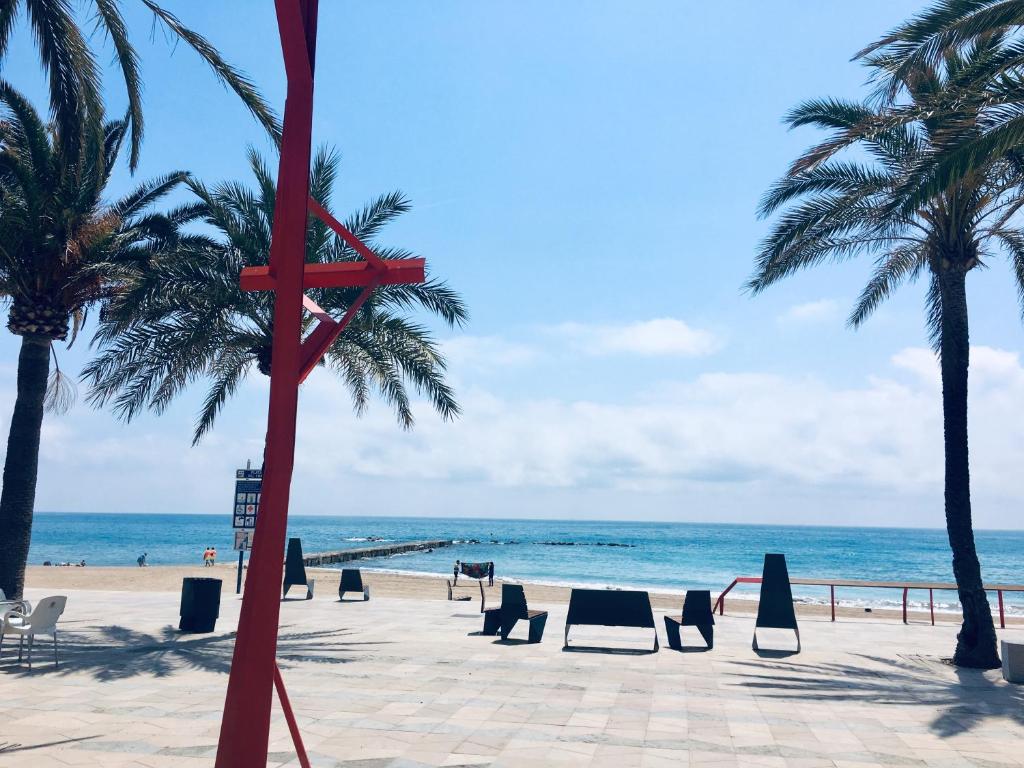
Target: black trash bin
pixel 200 604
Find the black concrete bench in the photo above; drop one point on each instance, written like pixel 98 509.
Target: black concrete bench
pixel 610 608
pixel 352 581
pixel 775 605
pixel 295 570
pixel 513 608
pixel 696 613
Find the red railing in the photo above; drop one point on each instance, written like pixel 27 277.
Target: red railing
pixel 906 586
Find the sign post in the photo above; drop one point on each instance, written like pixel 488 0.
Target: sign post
pixel 245 509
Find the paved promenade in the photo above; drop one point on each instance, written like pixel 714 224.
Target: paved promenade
pixel 403 683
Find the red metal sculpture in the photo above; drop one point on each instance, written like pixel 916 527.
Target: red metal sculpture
pixel 245 728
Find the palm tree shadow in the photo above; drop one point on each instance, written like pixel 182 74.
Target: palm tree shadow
pixel 114 652
pixel 961 698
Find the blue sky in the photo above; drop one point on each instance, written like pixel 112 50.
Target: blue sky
pixel 587 176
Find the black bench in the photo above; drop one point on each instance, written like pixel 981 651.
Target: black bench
pixel 513 608
pixel 295 569
pixel 352 581
pixel 775 605
pixel 696 613
pixel 610 608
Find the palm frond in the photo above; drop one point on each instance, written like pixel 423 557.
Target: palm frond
pixel 148 193
pixel 8 14
pixel 60 389
pixel 229 75
pixel 891 271
pixel 114 26
pixel 227 373
pixel 71 70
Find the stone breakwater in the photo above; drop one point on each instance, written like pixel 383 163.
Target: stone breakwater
pixel 364 553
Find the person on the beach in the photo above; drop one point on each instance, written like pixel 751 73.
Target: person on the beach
pixel 490 574
pixel 206 558
pixel 213 556
pixel 455 573
pixel 142 560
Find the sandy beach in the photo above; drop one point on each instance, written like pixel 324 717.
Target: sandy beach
pixel 410 586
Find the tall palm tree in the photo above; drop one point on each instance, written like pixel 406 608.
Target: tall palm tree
pixel 74 78
pixel 849 196
pixel 995 85
pixel 187 319
pixel 62 251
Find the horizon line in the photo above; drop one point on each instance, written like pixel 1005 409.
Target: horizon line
pixel 557 520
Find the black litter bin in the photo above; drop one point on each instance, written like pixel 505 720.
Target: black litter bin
pixel 200 604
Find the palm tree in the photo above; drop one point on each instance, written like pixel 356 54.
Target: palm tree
pixel 74 77
pixel 187 319
pixel 995 86
pixel 62 251
pixel 948 25
pixel 837 206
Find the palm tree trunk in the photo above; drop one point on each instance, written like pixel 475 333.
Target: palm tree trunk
pixel 21 466
pixel 976 642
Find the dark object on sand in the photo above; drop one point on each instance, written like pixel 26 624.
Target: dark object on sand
pixel 352 581
pixel 610 608
pixel 775 606
pixel 295 569
pixel 452 596
pixel 513 608
pixel 696 613
pixel 200 604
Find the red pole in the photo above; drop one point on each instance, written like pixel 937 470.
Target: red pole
pixel 245 727
pixel 289 716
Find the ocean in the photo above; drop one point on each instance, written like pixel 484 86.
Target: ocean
pixel 670 557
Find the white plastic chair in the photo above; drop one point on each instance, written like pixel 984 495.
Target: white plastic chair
pixel 42 621
pixel 19 605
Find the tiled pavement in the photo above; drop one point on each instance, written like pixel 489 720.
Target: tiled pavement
pixel 401 683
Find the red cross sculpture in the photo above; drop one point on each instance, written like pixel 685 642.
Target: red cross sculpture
pixel 245 727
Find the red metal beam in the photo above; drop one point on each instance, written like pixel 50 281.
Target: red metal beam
pixel 289 716
pixel 344 274
pixel 345 234
pixel 319 341
pixel 245 726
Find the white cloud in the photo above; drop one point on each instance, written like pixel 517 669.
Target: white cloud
pixel 740 445
pixel 486 351
pixel 810 312
pixel 718 427
pixel 666 336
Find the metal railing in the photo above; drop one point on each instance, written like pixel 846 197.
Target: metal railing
pixel 906 586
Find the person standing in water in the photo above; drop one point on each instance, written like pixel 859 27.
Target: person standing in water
pixel 142 560
pixel 455 573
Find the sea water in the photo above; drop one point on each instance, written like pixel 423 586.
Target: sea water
pixel 669 557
